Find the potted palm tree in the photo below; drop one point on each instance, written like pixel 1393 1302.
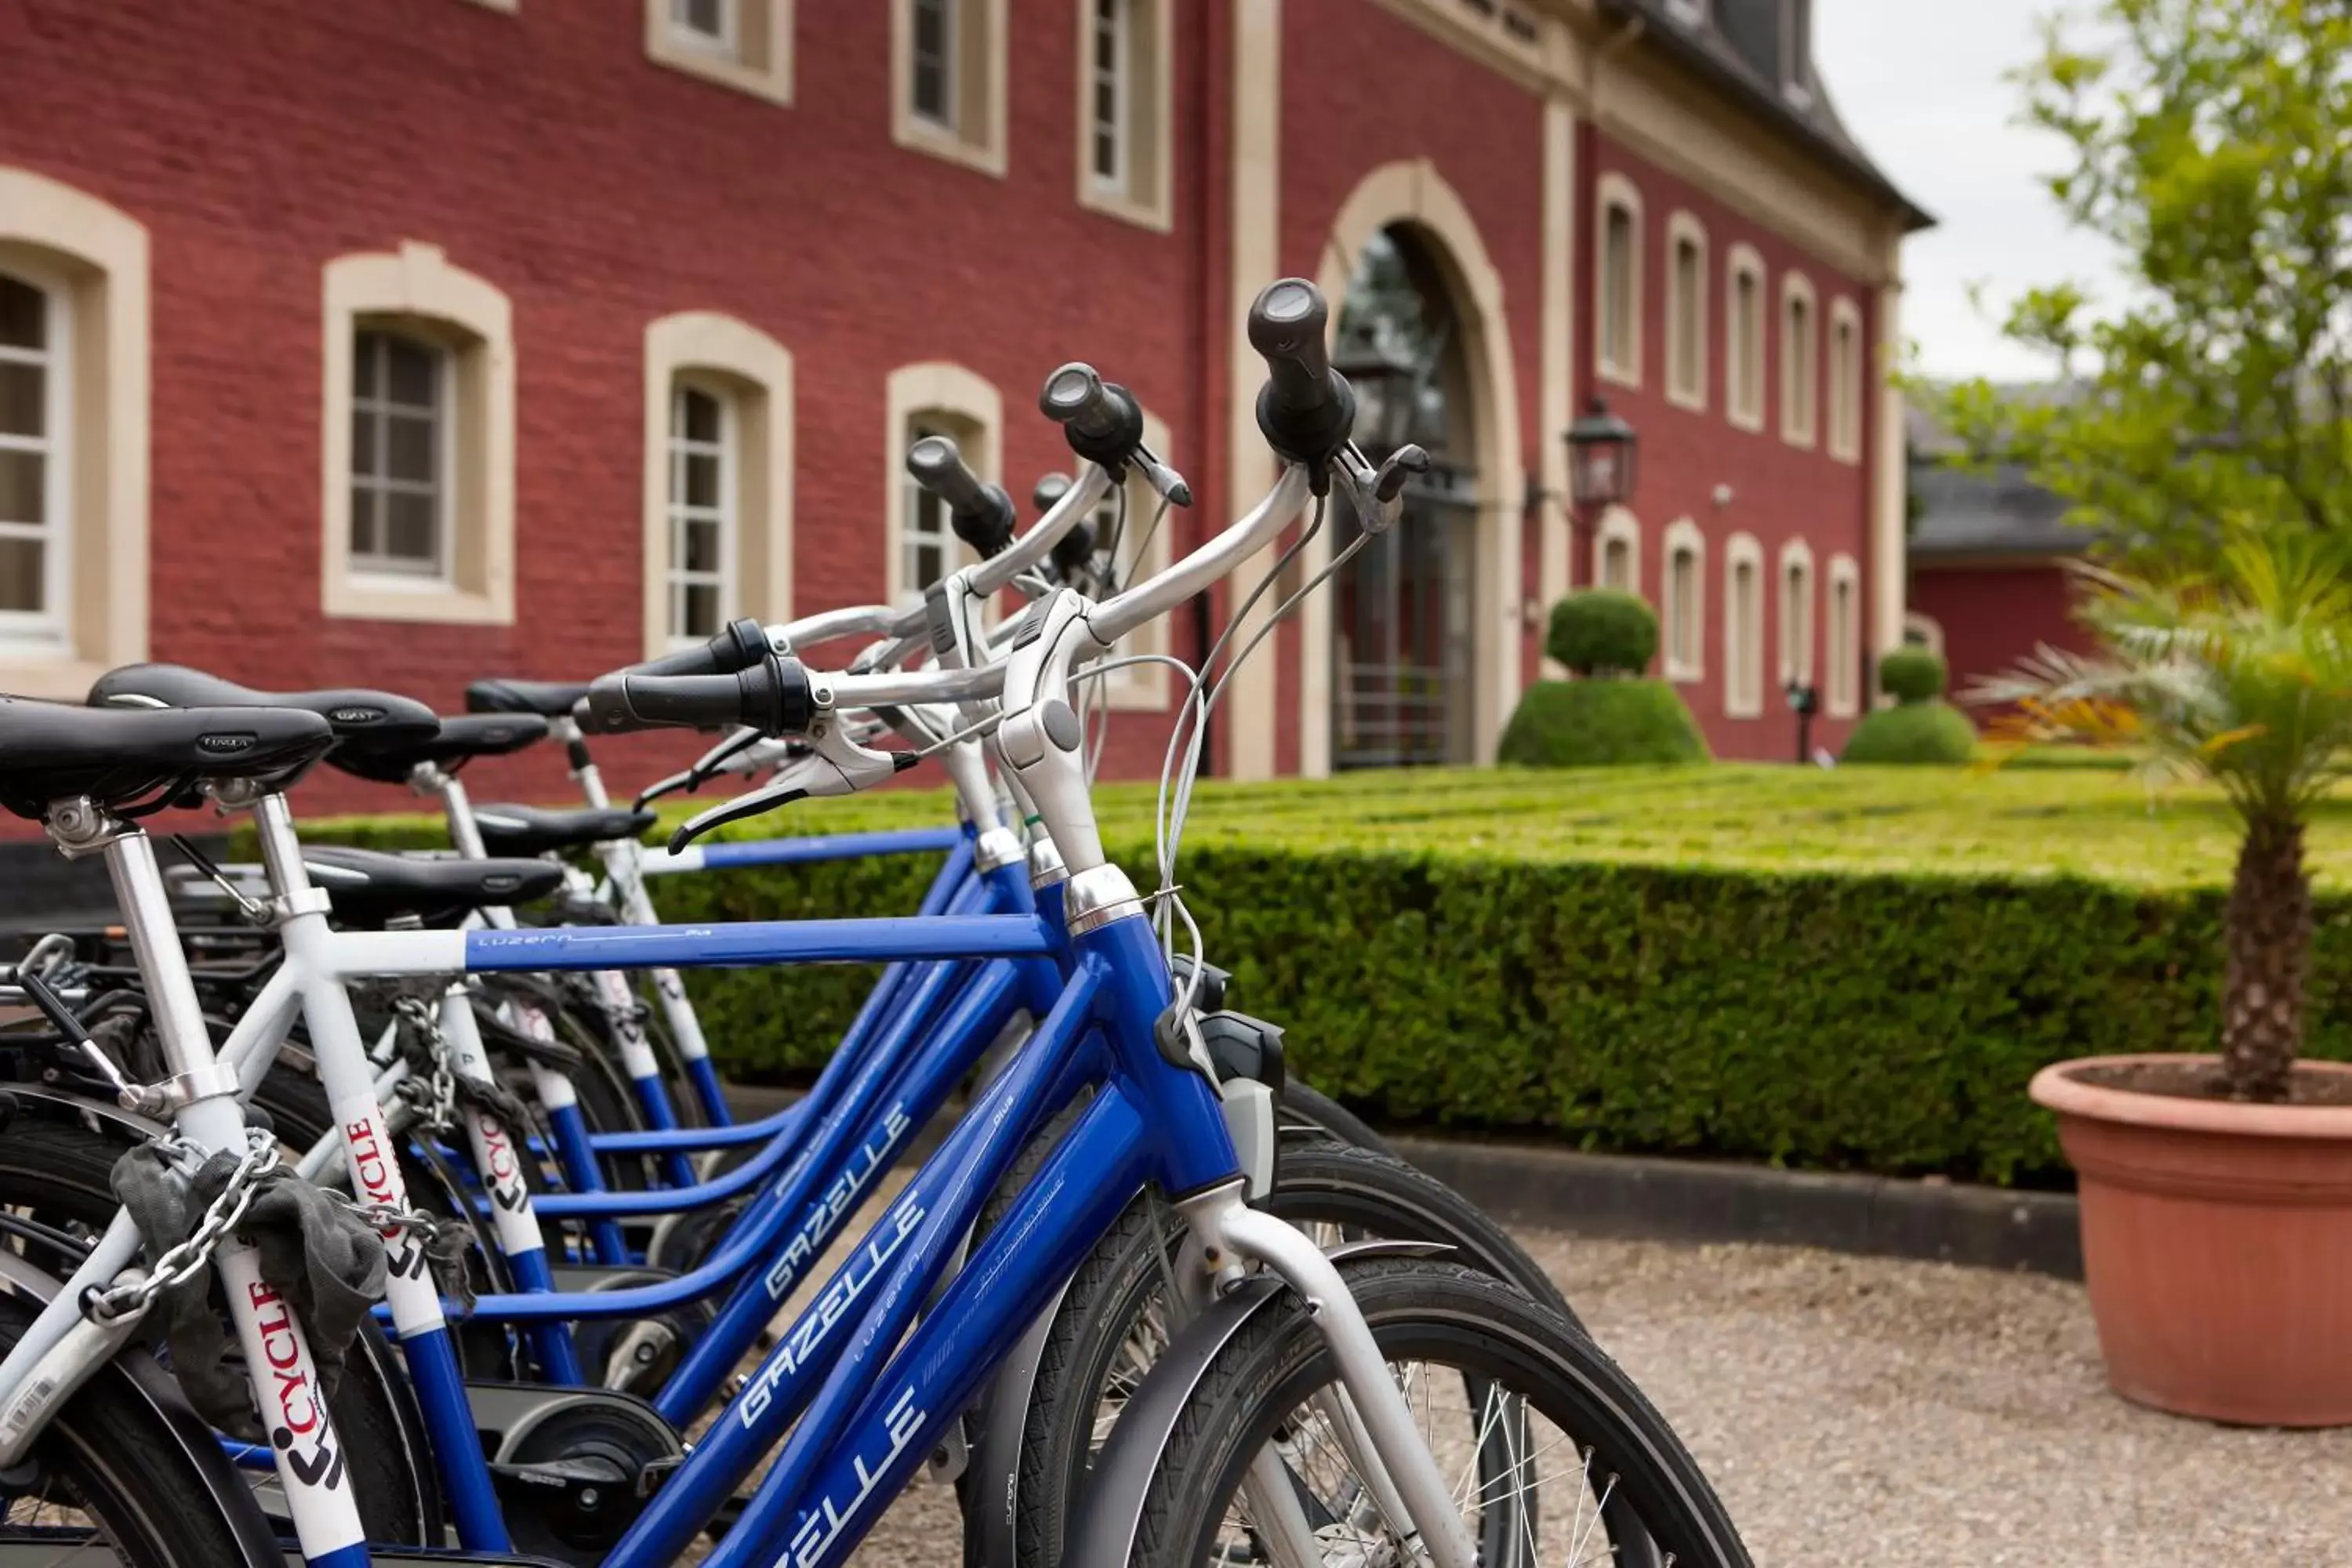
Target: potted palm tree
pixel 2217 1189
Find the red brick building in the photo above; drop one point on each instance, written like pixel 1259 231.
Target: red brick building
pixel 404 341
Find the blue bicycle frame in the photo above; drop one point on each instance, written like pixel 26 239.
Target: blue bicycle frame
pixel 861 1418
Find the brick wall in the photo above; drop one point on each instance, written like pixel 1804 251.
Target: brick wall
pixel 1778 492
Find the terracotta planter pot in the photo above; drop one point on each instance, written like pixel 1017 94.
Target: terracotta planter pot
pixel 2217 1240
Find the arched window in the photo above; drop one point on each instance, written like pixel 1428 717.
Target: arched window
pixel 1800 352
pixel 1796 614
pixel 1683 602
pixel 933 399
pixel 73 437
pixel 1686 311
pixel 1842 694
pixel 1743 346
pixel 718 477
pixel 1617 282
pixel 1743 628
pixel 1617 552
pixel 419 425
pixel 1847 382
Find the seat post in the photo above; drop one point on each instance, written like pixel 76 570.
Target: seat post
pixel 206 1092
pixel 431 779
pixel 583 766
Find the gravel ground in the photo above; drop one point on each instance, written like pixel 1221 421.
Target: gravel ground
pixel 1856 1410
pixel 1868 1410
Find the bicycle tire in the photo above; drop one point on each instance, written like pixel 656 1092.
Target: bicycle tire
pixel 59 1174
pixel 113 1460
pixel 1306 1108
pixel 1483 1328
pixel 1320 1181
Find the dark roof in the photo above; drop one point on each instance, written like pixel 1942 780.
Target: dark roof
pixel 1999 511
pixel 1738 43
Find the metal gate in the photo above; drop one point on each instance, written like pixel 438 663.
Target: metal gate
pixel 1401 633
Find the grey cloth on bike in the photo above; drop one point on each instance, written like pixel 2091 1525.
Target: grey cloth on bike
pixel 322 1259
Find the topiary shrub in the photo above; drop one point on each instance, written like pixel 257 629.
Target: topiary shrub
pixel 1921 729
pixel 1603 632
pixel 1931 734
pixel 1911 675
pixel 1600 724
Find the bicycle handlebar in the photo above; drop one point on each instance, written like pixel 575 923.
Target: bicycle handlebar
pixel 737 646
pixel 772 697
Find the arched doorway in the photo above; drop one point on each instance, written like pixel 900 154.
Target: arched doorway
pixel 1404 642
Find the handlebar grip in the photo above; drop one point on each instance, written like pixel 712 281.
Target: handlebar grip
pixel 772 697
pixel 939 468
pixel 1050 489
pixel 1100 419
pixel 1307 410
pixel 1286 321
pixel 981 514
pixel 740 645
pixel 1076 396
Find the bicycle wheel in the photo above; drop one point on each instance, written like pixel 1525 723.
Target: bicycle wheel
pixel 110 1480
pixel 1540 1431
pixel 1302 1109
pixel 57 1175
pixel 1110 1324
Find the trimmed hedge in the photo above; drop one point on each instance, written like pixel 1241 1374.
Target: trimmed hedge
pixel 1600 723
pixel 1603 631
pixel 1647 960
pixel 1931 733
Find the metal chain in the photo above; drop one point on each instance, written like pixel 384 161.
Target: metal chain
pixel 129 1301
pixel 381 1218
pixel 437 1102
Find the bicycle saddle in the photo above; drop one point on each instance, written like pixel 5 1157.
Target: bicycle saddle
pixel 369 888
pixel 363 722
pixel 461 739
pixel 530 830
pixel 120 757
pixel 548 698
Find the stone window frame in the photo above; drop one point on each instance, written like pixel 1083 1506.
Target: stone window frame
pixel 1615 192
pixel 977 140
pixel 1848 380
pixel 755 372
pixel 1142 195
pixel 965 398
pixel 1683 538
pixel 1800 362
pixel 1743 629
pixel 100 255
pixel 415 291
pixel 1745 386
pixel 1798 660
pixel 1683 228
pixel 1843 641
pixel 758 60
pixel 1618 525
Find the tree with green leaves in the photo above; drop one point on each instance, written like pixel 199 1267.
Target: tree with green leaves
pixel 2211 141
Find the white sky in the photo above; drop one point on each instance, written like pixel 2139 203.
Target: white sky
pixel 1919 83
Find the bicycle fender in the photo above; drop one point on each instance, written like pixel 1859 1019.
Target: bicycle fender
pixel 63 1106
pixel 151 1386
pixel 1111 1513
pixel 995 1469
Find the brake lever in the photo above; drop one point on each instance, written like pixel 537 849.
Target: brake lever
pixel 835 764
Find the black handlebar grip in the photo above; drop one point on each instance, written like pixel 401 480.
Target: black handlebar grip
pixel 1076 396
pixel 1286 321
pixel 773 697
pixel 736 646
pixel 981 514
pixel 1049 491
pixel 1307 411
pixel 939 468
